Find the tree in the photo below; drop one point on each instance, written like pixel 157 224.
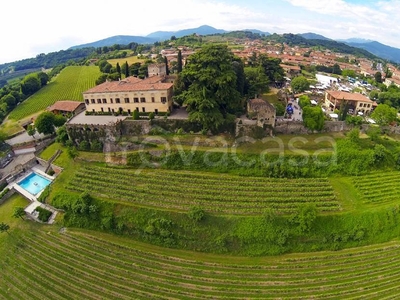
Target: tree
pixel 299 84
pixel 211 81
pixel 378 77
pixel 59 120
pixel 4 227
pixel 43 77
pixel 62 135
pixel 18 212
pixel 31 130
pixel 166 65
pixel 125 69
pixel 256 82
pixel 383 114
pixel 118 68
pixel 313 117
pixel 30 84
pixel 336 69
pixel 304 101
pixel 179 59
pixel 10 100
pixel 44 123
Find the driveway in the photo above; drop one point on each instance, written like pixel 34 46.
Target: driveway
pixel 23 138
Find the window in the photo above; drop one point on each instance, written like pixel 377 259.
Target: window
pixel 143 109
pixel 92 100
pixel 104 100
pixel 87 101
pixel 109 109
pixel 111 100
pixel 137 108
pixel 117 100
pixel 156 111
pixel 142 99
pixel 102 109
pixel 163 100
pixel 98 100
pixel 129 111
pixel 126 100
pixel 93 110
pixel 152 99
pixel 136 100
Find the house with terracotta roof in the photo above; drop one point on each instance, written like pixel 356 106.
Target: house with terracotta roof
pixel 153 94
pixel 356 102
pixel 67 107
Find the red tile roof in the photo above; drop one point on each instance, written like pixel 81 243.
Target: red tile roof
pixel 339 95
pixel 131 84
pixel 67 105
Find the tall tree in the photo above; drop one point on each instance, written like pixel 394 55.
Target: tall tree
pixel 166 65
pixel 125 69
pixel 378 77
pixel 179 66
pixel 211 82
pixel 118 68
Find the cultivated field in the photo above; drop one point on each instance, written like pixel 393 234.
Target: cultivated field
pixel 219 193
pixel 45 264
pixel 379 187
pixel 68 85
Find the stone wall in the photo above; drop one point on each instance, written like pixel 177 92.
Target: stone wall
pixel 288 127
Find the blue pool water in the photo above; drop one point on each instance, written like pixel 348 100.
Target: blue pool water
pixel 34 183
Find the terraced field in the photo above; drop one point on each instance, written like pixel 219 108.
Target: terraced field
pixel 84 265
pixel 68 85
pixel 220 193
pixel 379 187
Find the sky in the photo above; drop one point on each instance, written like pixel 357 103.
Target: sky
pixel 28 28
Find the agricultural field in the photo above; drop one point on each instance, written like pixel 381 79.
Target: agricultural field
pixel 130 59
pixel 45 263
pixel 226 194
pixel 378 187
pixel 68 85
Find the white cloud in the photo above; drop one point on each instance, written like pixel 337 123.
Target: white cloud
pixel 42 26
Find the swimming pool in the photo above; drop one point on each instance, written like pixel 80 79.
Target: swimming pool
pixel 34 183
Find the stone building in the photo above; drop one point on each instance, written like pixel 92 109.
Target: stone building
pixel 262 111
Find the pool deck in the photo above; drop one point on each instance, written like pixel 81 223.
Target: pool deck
pixel 30 209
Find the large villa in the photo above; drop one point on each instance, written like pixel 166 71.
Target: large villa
pixel 152 94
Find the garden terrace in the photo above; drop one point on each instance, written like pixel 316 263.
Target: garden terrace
pixel 78 264
pixel 378 187
pixel 218 193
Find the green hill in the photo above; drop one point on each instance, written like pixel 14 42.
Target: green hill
pixel 68 85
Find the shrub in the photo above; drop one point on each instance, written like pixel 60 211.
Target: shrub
pixel 135 115
pixel 44 214
pixel 196 213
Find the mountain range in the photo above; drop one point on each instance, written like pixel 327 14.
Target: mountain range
pixel 374 47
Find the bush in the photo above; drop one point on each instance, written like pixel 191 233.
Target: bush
pixel 196 214
pixel 44 214
pixel 5 191
pixel 135 115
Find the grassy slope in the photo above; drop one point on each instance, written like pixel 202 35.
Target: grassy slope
pixel 68 85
